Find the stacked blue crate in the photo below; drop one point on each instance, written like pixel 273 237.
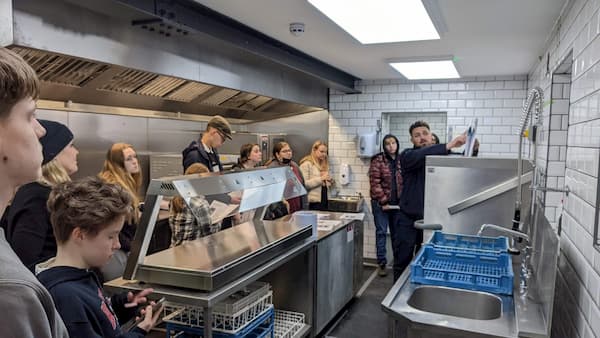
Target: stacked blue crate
pixel 466 262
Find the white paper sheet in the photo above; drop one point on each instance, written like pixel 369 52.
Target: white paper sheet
pixel 354 216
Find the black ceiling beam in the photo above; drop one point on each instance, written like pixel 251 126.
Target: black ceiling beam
pixel 200 18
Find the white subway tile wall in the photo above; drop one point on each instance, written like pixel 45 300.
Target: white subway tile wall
pixel 496 101
pixel 577 301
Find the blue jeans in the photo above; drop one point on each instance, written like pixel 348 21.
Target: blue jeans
pixel 382 221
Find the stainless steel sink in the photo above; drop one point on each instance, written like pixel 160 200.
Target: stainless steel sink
pixel 427 311
pixel 455 302
pixel 345 203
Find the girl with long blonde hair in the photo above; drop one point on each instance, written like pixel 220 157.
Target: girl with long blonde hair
pixel 29 230
pixel 317 181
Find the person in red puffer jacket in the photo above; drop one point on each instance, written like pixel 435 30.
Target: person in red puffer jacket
pixel 385 177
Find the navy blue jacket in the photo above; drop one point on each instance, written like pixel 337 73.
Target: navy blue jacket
pixel 86 312
pixel 195 153
pixel 412 161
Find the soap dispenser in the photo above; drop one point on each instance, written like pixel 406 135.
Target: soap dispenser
pixel 344 174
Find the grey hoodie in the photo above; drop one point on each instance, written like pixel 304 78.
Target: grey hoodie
pixel 26 308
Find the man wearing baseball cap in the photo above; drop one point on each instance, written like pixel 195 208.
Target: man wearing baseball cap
pixel 205 150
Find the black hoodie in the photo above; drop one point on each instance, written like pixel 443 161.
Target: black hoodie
pixel 87 313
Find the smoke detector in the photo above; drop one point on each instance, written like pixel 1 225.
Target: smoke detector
pixel 297 28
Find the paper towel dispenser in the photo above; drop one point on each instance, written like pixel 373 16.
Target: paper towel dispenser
pixel 367 145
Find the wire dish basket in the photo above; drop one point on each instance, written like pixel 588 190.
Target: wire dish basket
pixel 260 327
pixel 230 315
pixel 287 323
pixel 492 244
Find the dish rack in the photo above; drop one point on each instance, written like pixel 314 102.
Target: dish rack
pixel 459 241
pixel 246 313
pixel 287 323
pixel 463 268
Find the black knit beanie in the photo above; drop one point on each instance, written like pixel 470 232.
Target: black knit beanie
pixel 57 137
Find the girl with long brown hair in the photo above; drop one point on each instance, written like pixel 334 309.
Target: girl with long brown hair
pixel 121 167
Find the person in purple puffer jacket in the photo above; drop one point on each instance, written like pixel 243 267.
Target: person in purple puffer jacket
pixel 385 177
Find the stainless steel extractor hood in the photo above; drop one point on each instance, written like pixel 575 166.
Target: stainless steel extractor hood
pixel 111 53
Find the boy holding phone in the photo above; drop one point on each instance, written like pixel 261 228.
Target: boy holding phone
pixel 87 216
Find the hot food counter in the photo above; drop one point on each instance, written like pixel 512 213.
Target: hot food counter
pixel 310 273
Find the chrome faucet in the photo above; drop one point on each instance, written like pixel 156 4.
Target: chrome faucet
pixel 513 233
pixel 525 271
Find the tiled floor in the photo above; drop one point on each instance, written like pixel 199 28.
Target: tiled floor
pixel 365 317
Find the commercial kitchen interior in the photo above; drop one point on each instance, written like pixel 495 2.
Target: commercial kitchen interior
pixel 151 73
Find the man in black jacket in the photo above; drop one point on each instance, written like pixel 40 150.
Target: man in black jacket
pixel 412 161
pixel 205 151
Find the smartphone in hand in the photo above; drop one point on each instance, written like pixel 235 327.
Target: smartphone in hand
pixel 133 322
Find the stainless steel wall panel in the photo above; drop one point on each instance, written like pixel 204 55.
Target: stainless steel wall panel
pixel 172 136
pixel 99 132
pixel 170 141
pixel 301 130
pixel 177 125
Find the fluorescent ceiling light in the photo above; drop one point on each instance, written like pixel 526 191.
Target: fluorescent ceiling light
pixel 424 70
pixel 380 21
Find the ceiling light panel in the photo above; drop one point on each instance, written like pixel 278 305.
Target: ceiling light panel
pixel 427 70
pixel 380 21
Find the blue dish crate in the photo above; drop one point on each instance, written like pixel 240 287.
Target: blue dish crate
pixel 464 269
pixel 494 244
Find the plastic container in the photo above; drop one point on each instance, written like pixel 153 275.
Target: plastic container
pixel 303 218
pixel 463 269
pixel 493 244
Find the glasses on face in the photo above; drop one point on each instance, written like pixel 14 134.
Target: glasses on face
pixel 222 136
pixel 286 151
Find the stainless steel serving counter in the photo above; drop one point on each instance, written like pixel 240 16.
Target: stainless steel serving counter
pixel 210 262
pixel 315 277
